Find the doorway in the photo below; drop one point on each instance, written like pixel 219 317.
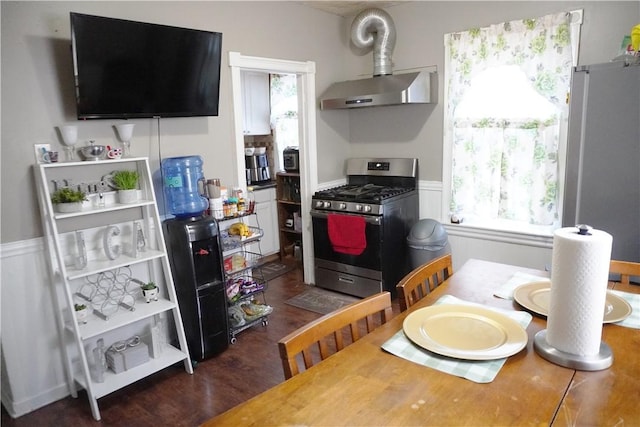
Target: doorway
pixel 305 75
pixel 283 92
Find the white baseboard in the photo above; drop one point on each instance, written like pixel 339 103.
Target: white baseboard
pixel 18 408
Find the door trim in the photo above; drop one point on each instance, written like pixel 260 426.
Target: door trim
pixel 305 72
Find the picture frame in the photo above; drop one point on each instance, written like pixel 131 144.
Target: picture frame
pixel 38 150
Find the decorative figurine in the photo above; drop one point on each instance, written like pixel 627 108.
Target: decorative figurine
pixel 150 291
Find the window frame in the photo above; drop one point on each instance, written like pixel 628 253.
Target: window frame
pixel 501 227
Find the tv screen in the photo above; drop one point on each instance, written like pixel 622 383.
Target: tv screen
pixel 127 69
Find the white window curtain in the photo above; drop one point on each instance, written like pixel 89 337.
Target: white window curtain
pixel 284 112
pixel 506 99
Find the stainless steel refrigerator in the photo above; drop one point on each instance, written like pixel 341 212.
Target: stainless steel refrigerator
pixel 602 182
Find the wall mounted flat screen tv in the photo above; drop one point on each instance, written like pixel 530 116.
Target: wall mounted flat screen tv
pixel 128 69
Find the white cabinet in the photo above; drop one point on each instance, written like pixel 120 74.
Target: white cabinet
pixel 267 220
pixel 99 257
pixel 256 103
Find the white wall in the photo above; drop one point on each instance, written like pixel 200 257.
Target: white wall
pixel 37 96
pixel 416 131
pixel 37 85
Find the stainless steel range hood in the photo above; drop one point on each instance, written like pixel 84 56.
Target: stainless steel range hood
pixel 375 28
pixel 396 89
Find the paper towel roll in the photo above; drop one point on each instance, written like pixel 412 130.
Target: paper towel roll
pixel 579 275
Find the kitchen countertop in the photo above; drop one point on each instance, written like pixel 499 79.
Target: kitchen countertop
pixel 263 185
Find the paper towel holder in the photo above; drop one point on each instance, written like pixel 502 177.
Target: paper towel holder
pixel 584 229
pixel 597 362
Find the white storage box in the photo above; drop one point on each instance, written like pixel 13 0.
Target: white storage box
pixel 130 357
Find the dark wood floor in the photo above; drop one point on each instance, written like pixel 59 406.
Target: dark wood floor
pixel 173 397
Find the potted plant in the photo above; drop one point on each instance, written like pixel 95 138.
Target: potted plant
pixel 68 200
pixel 150 291
pixel 126 182
pixel 81 313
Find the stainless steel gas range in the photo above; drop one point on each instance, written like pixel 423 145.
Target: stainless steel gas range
pixel 360 229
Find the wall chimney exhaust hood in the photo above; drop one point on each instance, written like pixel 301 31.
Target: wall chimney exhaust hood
pixel 397 89
pixel 374 27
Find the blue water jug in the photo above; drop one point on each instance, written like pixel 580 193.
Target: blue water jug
pixel 181 176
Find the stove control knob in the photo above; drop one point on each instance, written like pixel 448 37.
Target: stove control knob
pixel 342 206
pixel 319 204
pixel 367 208
pixel 358 208
pixel 326 205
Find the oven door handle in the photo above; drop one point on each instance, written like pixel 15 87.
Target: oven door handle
pixel 369 219
pixel 345 279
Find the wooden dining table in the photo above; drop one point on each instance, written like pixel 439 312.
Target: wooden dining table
pixel 363 385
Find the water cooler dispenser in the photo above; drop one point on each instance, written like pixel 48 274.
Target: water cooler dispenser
pixel 196 259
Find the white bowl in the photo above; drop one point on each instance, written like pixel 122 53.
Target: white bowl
pixel 249 151
pixel 260 150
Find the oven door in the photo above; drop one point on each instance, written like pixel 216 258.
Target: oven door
pixel 369 259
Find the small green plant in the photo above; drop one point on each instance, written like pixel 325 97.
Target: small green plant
pixel 125 179
pixel 79 307
pixel 149 286
pixel 68 195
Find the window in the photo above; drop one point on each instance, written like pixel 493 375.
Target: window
pixel 505 121
pixel 284 111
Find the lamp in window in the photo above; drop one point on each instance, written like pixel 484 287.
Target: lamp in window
pixel 125 133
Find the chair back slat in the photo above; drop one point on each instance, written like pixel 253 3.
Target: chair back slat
pixel 308 360
pixel 423 280
pixel 337 335
pixel 354 331
pixel 625 269
pixel 370 323
pixel 326 334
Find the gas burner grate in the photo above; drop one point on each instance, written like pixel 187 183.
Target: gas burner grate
pixel 361 193
pixel 392 192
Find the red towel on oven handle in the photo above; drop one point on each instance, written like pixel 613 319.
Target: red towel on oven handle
pixel 347 233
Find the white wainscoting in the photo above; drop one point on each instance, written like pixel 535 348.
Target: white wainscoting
pixel 32 367
pixel 430 196
pixel 504 247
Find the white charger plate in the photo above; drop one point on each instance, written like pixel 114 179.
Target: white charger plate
pixel 535 296
pixel 465 332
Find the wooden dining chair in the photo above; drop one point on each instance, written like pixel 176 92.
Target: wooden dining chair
pixel 326 334
pixel 625 269
pixel 422 280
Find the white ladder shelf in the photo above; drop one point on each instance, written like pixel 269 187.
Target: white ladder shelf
pixel 76 283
